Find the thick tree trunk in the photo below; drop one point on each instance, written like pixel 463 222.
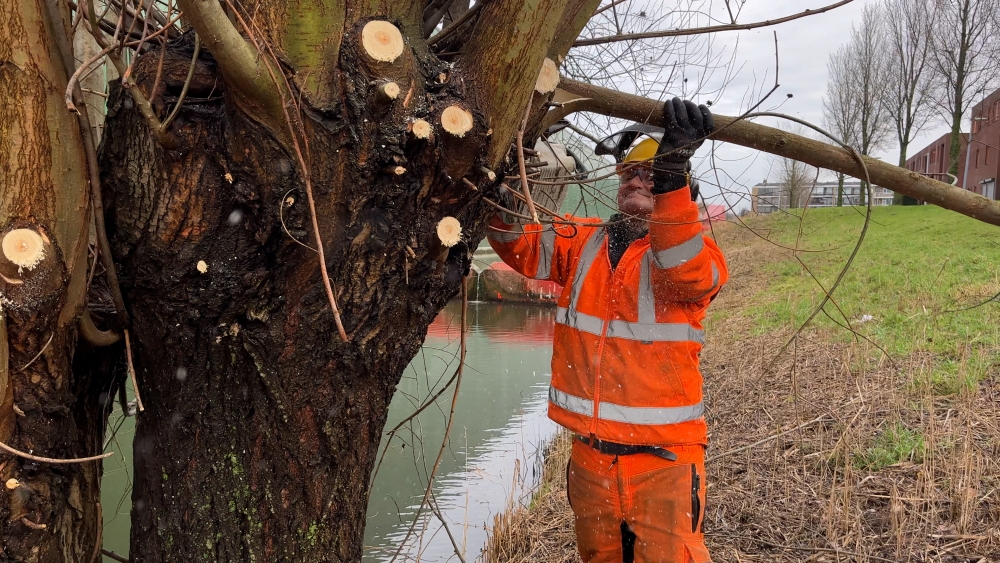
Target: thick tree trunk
pixel 261 426
pixel 48 512
pixel 898 198
pixel 955 148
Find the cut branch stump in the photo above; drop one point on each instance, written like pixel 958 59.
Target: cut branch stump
pixel 382 41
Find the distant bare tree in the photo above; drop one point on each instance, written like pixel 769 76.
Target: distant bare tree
pixel 856 82
pixel 965 59
pixel 797 180
pixel 840 108
pixel 908 96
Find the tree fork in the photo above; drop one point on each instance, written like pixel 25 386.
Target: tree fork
pixel 243 67
pixel 586 97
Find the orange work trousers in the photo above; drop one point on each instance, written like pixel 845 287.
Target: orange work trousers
pixel 662 502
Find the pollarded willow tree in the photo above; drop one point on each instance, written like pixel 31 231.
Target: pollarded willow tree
pixel 265 206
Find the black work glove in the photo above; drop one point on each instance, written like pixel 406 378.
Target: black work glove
pixel 695 189
pixel 685 128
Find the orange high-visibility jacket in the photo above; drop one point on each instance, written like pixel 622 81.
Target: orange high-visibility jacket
pixel 627 341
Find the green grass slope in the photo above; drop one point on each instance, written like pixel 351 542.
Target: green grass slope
pixel 923 275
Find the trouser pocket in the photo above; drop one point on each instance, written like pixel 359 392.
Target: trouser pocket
pixel 695 498
pixel 569 464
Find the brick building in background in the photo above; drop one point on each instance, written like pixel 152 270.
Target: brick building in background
pixel 932 160
pixel 981 160
pixel 984 154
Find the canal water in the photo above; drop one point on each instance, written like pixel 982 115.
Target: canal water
pixel 493 453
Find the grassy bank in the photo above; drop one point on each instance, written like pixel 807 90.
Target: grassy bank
pixel 875 434
pixel 915 265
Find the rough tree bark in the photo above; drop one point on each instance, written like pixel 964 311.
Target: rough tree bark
pixel 48 512
pixel 261 426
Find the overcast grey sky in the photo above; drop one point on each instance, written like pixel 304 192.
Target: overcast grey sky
pixel 804 46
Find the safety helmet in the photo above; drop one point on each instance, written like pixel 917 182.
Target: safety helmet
pixel 642 151
pixel 618 144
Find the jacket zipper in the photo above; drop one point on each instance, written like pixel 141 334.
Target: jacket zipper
pixel 600 344
pixel 606 323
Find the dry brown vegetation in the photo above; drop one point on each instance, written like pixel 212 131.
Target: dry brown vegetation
pixel 830 453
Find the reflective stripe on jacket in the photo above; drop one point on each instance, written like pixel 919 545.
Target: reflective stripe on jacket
pixel 627 341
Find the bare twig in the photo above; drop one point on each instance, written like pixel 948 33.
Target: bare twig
pixel 708 29
pixel 138 42
pixel 145 108
pixel 115 556
pixel 447 530
pixel 828 295
pixel 609 6
pixel 281 218
pixel 521 167
pixel 40 459
pixel 995 298
pixel 187 83
pixel 40 352
pixel 768 439
pixel 131 371
pixel 71 85
pixel 583 133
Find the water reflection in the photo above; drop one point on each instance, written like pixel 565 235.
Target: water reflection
pixel 499 427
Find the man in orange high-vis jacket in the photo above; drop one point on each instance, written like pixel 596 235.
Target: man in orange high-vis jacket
pixel 628 335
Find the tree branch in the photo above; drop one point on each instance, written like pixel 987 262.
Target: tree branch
pixel 312 41
pixel 143 104
pixel 456 25
pixel 575 17
pixel 504 55
pixel 240 63
pixel 703 30
pixel 732 130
